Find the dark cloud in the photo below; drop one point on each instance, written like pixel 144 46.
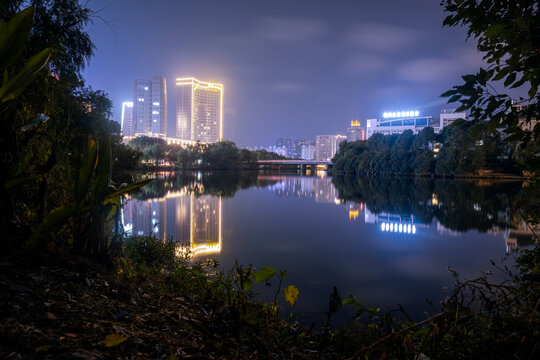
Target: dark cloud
pixel 291 29
pixel 382 37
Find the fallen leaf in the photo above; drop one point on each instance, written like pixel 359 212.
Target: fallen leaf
pixel 114 339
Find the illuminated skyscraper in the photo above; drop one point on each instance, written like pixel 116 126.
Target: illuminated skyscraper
pixel 150 107
pixel 127 118
pixel 199 110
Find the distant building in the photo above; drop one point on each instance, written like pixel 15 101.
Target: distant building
pixel 298 144
pixel 327 146
pixel 308 152
pixel 150 107
pixel 287 143
pixel 356 132
pixel 199 110
pixel 280 150
pixel 398 122
pixel 448 116
pixel 127 119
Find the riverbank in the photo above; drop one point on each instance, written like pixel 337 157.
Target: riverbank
pixel 149 306
pixel 74 308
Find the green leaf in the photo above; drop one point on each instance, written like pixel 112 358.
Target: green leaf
pixel 264 274
pixel 291 294
pixel 128 189
pixel 449 93
pixel 247 284
pixel 54 221
pixel 101 185
pixel 14 35
pixel 114 339
pixel 34 123
pixel 510 79
pixel 86 170
pixel 350 300
pixel 532 91
pixel 454 98
pixel 15 85
pixel 494 30
pixel 493 123
pixel 13 183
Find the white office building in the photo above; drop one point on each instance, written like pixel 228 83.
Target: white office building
pixel 448 116
pixel 150 107
pixel 398 122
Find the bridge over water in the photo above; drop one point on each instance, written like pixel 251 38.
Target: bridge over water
pixel 298 165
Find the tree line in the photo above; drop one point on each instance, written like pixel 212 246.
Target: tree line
pixel 221 155
pixel 462 148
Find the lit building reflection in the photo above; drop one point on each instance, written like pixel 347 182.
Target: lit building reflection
pixel 394 223
pixel 193 222
pixel 319 188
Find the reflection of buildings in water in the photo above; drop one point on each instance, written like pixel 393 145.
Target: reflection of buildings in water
pixel 194 223
pixel 393 222
pixel 319 188
pixel 355 210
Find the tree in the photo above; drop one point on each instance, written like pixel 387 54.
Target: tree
pixel 508 32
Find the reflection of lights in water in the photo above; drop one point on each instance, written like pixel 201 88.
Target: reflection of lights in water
pixel 401 228
pixel 434 200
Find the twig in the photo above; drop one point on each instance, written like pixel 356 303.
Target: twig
pixel 367 348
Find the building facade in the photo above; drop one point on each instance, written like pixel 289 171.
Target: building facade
pixel 150 107
pixel 199 110
pixel 127 119
pixel 327 146
pixel 448 116
pixel 299 144
pixel 308 152
pixel 356 132
pixel 397 124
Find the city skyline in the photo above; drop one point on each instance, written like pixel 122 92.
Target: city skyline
pixel 291 69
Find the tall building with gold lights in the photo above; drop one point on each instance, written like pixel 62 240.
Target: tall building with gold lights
pixel 356 132
pixel 199 110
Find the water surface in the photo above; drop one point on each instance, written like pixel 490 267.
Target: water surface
pixel 387 241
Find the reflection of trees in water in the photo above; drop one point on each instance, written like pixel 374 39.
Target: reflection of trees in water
pixel 457 204
pixel 223 184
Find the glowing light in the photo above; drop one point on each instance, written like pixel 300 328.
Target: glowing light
pixel 414 229
pixel 353 214
pixel 386 226
pixel 409 228
pixel 382 226
pixel 355 123
pixel 146 88
pixel 416 113
pixel 400 227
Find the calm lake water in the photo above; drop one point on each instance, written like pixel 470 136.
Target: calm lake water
pixel 387 241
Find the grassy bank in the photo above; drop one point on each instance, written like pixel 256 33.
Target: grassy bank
pixel 152 304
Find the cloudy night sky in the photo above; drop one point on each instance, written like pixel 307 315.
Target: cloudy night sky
pixel 290 69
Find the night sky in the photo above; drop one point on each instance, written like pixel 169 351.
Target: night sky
pixel 290 68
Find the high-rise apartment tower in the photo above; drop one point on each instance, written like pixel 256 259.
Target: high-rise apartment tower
pixel 199 110
pixel 150 107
